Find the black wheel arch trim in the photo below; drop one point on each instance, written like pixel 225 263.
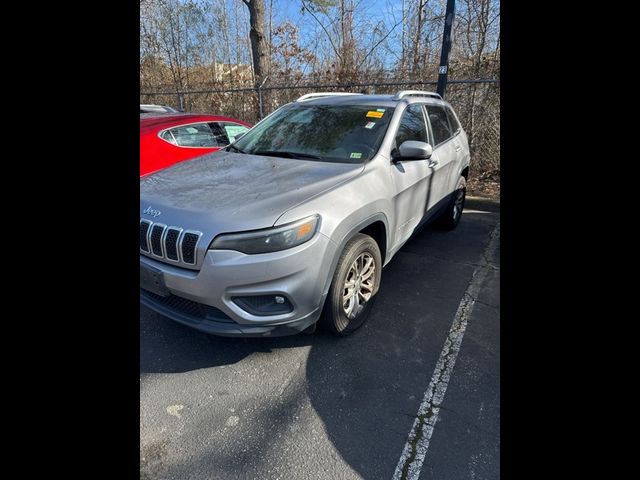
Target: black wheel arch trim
pixel 378 217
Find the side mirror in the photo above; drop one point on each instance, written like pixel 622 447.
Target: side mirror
pixel 238 136
pixel 414 150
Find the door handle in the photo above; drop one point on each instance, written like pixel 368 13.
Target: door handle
pixel 458 148
pixel 432 163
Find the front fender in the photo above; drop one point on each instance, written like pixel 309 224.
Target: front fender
pixel 345 232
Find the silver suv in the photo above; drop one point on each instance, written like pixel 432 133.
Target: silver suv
pixel 292 223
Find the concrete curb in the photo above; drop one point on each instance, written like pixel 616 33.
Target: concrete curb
pixel 481 203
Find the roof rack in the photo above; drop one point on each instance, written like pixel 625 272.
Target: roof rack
pixel 309 96
pixel 419 93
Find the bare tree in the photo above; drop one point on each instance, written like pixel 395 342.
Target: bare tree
pixel 259 48
pixel 418 38
pixel 478 31
pixel 221 45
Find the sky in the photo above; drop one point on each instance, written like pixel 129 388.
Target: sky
pixel 291 8
pixel 376 11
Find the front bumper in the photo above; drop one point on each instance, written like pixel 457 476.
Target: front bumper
pixel 299 274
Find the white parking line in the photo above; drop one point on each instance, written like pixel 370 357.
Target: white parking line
pixel 415 449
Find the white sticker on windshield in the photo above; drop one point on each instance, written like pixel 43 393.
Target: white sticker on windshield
pixel 380 110
pixel 370 125
pixel 356 155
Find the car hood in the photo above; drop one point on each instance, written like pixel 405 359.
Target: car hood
pixel 225 192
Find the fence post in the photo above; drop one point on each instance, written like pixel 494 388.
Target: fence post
pixel 471 118
pixel 443 69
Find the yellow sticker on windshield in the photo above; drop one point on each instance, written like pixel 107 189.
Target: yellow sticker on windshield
pixel 374 114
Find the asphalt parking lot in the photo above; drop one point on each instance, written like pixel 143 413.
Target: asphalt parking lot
pixel 319 407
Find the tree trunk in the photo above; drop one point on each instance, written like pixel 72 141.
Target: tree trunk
pixel 258 44
pixel 258 41
pixel 416 43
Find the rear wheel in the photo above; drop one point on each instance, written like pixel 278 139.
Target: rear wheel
pixel 453 211
pixel 354 285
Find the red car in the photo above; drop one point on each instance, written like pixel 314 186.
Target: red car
pixel 168 139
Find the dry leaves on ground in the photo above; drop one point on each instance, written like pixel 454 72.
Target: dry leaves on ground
pixel 486 184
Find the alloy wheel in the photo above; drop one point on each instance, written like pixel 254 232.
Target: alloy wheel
pixel 359 285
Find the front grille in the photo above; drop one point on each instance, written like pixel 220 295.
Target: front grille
pixel 156 239
pixel 170 243
pixel 144 230
pixel 190 308
pixel 189 247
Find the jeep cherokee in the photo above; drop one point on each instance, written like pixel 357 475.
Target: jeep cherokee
pixel 293 222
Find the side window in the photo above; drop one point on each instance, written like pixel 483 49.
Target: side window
pixel 233 129
pixel 453 121
pixel 412 127
pixel 166 135
pixel 197 135
pixel 439 124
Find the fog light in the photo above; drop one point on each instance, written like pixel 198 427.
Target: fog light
pixel 263 305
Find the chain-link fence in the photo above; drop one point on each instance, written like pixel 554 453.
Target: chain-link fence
pixel 477 103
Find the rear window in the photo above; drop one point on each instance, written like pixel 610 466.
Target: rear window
pixel 453 121
pixel 167 136
pixel 196 135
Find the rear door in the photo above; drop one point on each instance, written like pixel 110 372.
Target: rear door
pixel 443 160
pixel 461 145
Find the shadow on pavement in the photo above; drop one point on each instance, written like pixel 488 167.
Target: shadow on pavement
pixel 169 347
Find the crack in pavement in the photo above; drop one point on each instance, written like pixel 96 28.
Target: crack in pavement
pixel 417 444
pixel 488 305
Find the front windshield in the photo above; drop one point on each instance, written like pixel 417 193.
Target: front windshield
pixel 338 133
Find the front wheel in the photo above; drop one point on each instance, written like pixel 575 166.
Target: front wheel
pixel 355 282
pixel 453 211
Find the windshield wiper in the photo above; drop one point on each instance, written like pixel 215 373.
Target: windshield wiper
pixel 279 153
pixel 228 149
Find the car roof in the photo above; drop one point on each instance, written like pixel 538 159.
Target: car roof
pixel 373 100
pixel 151 122
pixel 157 108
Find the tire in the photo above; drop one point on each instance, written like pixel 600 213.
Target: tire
pixel 452 213
pixel 343 317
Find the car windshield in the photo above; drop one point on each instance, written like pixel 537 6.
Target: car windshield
pixel 336 133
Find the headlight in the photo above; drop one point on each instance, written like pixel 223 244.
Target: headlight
pixel 270 239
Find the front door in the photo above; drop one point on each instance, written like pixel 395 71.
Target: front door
pixel 412 179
